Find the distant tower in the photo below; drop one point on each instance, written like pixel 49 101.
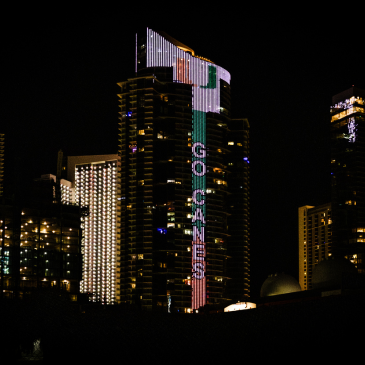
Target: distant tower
pixel 348 175
pixel 315 240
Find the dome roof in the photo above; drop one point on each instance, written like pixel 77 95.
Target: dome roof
pixel 329 273
pixel 279 284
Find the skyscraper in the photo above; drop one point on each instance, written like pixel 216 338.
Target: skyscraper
pixel 95 184
pixel 348 174
pixel 182 160
pixel 39 243
pixel 315 240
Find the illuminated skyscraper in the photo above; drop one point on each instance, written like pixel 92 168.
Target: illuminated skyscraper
pixel 39 244
pixel 315 240
pixel 95 182
pixel 348 175
pixel 182 160
pixel 2 137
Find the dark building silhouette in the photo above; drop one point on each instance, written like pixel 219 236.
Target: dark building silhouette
pixel 184 182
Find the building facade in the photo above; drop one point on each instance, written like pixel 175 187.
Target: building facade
pixel 348 175
pixel 95 189
pixel 179 149
pixel 39 248
pixel 48 184
pixel 315 240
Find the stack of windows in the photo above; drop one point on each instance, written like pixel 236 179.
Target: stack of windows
pixel 39 247
pixel 238 179
pixel 96 188
pixel 315 240
pixel 155 149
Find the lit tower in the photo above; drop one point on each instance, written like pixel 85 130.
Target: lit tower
pixel 95 180
pixel 174 131
pixel 348 174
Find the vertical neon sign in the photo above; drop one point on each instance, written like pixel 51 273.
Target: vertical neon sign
pixel 205 80
pixel 199 155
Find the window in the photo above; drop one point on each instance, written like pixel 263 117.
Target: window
pixel 141 132
pixel 230 143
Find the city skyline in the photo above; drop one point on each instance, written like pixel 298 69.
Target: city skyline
pixel 66 87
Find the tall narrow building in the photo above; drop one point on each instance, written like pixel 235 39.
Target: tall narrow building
pixel 348 175
pixel 184 181
pixel 315 240
pixel 95 189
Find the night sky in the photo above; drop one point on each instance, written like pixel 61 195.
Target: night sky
pixel 60 91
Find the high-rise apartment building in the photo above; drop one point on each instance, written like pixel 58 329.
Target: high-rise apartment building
pixel 39 244
pixel 315 240
pixel 95 189
pixel 348 175
pixel 184 181
pixel 2 138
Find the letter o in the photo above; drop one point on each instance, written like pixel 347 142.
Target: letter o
pixel 202 172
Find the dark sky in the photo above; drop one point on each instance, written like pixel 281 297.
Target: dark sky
pixel 60 91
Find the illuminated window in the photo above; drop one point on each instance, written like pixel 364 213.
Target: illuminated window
pixel 141 132
pixel 140 256
pixel 220 182
pixel 239 144
pixel 231 143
